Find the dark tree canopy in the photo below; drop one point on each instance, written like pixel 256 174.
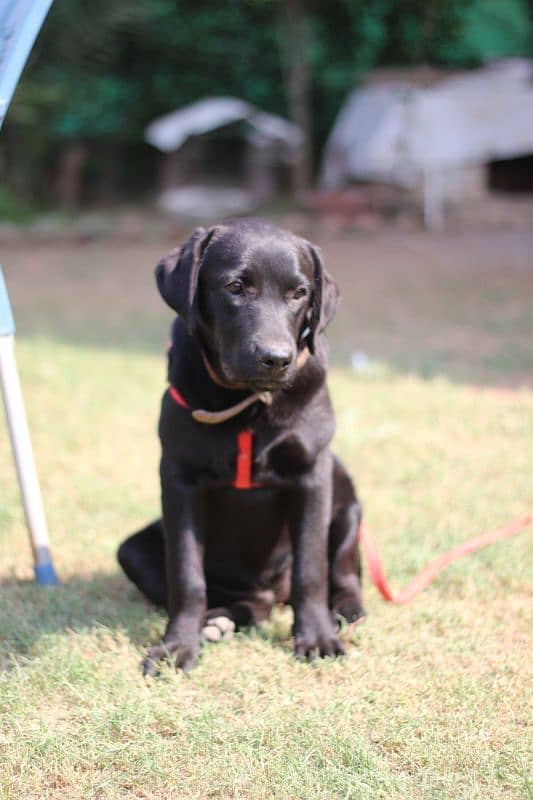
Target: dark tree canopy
pixel 101 70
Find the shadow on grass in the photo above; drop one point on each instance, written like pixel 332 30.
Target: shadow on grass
pixel 31 612
pixel 78 605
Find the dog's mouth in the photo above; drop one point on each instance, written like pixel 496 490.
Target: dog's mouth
pixel 263 383
pixel 255 382
pixel 268 386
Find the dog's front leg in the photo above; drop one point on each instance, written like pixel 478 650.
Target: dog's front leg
pixel 186 589
pixel 310 512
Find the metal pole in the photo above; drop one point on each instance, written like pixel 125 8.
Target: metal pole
pixel 20 22
pixel 21 444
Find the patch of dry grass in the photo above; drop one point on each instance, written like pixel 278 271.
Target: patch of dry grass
pixel 432 700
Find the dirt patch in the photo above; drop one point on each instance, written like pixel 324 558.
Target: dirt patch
pixel 457 305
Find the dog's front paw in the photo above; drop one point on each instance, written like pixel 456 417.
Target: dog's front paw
pixel 184 654
pixel 315 637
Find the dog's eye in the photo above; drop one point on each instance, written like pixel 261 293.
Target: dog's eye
pixel 235 287
pixel 300 292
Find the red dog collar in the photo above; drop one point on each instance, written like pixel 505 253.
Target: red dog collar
pixel 243 472
pixel 245 440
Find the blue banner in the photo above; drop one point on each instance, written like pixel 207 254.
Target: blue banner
pixel 20 22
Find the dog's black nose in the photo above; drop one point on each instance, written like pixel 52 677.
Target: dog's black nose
pixel 275 359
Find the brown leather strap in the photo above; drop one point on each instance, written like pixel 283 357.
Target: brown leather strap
pixel 215 417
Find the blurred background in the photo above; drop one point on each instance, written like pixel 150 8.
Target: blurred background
pixel 398 135
pixel 100 73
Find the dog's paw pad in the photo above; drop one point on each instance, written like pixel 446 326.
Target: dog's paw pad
pixel 210 633
pixel 218 629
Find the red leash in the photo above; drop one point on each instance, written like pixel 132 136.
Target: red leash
pixel 429 573
pixel 243 480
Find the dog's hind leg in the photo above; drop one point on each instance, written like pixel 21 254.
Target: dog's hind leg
pixel 142 557
pixel 345 598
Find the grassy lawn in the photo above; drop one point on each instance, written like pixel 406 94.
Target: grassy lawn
pixel 432 699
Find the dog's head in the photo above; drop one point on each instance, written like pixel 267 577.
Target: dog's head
pixel 253 294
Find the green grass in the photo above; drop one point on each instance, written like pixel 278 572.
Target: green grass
pixel 430 702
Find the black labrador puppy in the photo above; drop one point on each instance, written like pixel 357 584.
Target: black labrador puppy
pixel 256 508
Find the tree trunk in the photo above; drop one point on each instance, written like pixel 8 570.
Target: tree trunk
pixel 17 172
pixel 296 38
pixel 69 178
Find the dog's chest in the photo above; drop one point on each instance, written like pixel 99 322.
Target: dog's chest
pixel 286 458
pixel 253 460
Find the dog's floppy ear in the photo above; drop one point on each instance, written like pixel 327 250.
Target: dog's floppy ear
pixel 177 275
pixel 324 299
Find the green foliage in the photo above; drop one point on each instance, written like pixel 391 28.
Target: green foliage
pixel 11 209
pixel 106 69
pixel 109 71
pixel 97 105
pixel 490 30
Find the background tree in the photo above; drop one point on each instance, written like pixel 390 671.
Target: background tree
pixel 101 71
